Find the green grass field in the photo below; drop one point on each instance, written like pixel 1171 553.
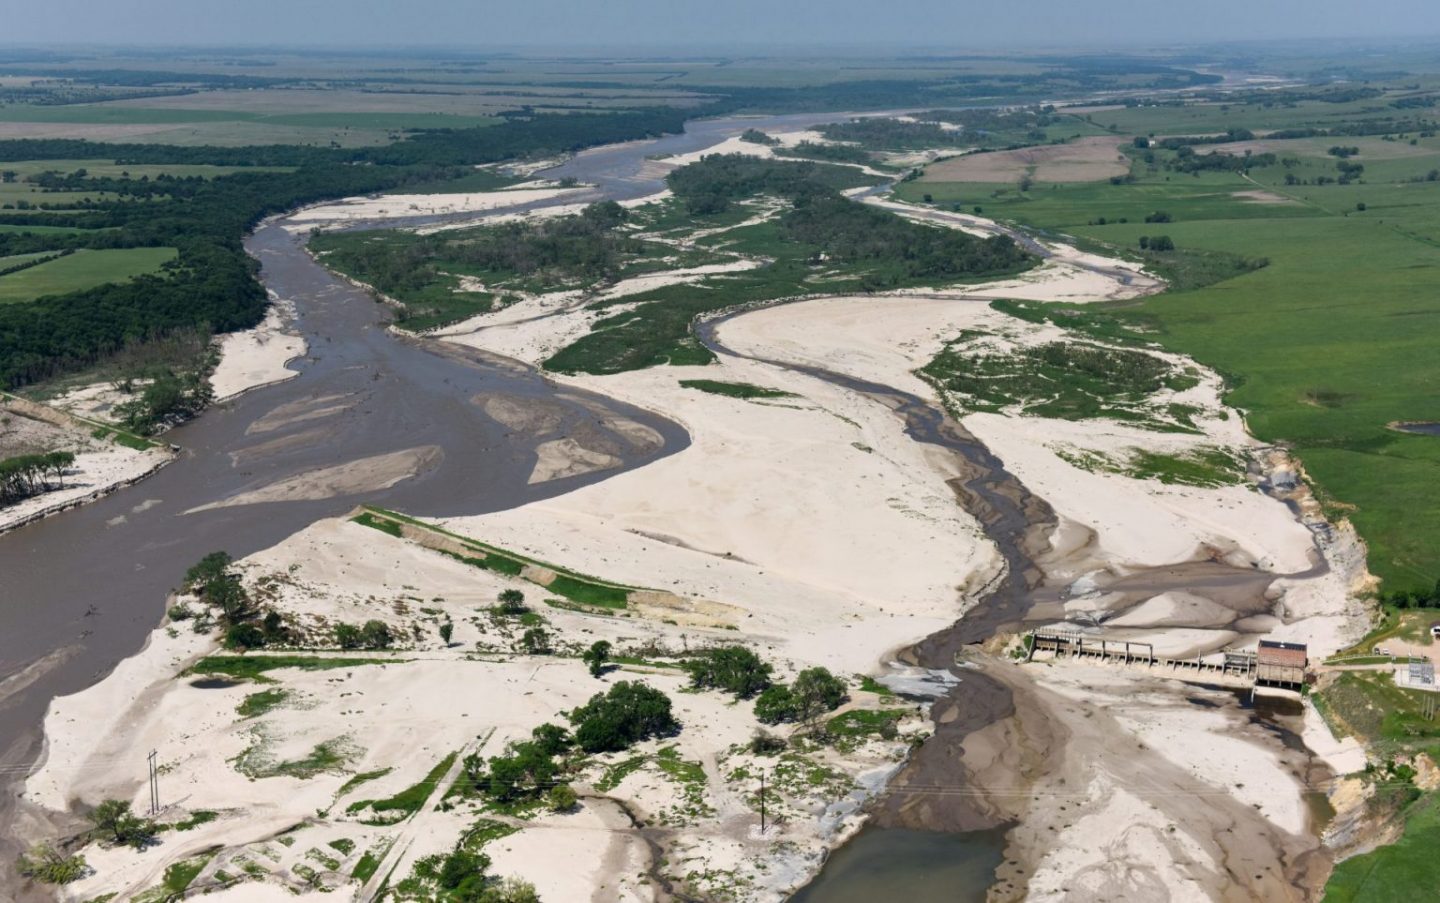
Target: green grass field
pixel 81 270
pixel 1400 871
pixel 1326 345
pixel 124 114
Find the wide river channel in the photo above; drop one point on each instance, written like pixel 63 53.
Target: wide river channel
pixel 80 591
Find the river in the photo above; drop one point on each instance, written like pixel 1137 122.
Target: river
pixel 81 590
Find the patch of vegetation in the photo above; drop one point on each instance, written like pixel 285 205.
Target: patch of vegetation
pixel 1062 379
pixel 197 818
pixel 615 774
pixel 815 692
pixel 361 778
pixel 851 246
pixel 45 864
pixel 746 391
pixel 178 877
pixel 254 667
pixel 330 756
pixel 429 274
pixel 408 801
pixel 1369 706
pixel 257 704
pixel 579 588
pixel 734 669
pixel 1393 872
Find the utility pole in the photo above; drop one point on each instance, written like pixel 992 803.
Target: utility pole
pixel 154 784
pixel 762 803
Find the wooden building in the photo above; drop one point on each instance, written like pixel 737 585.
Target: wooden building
pixel 1283 664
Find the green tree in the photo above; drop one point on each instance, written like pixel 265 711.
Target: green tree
pixel 817 691
pixel 596 656
pixel 629 713
pixel 114 819
pixel 347 636
pixel 775 704
pixel 244 637
pixel 376 635
pixel 447 630
pixel 512 602
pixel 536 641
pixel 552 739
pixel 206 569
pixel 734 669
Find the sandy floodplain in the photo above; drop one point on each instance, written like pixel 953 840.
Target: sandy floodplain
pixel 809 528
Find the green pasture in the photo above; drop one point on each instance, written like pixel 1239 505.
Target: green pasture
pixel 1326 345
pixel 81 270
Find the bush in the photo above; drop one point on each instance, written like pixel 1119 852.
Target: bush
pixel 47 865
pixel 629 713
pixel 376 635
pixel 347 636
pixel 775 705
pixel 767 744
pixel 733 669
pixel 815 692
pixel 562 798
pixel 536 641
pixel 244 636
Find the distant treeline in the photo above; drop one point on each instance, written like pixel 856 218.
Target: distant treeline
pixel 212 284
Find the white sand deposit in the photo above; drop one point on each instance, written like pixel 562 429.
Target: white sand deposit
pixel 258 357
pixel 392 205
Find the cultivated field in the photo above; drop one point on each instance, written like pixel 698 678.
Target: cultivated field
pixel 1083 160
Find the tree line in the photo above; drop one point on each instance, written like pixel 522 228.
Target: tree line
pixel 212 284
pixel 24 476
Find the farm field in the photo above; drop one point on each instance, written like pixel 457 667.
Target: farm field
pixel 1325 346
pixel 81 270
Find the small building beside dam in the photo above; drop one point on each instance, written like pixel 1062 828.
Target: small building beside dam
pixel 1280 664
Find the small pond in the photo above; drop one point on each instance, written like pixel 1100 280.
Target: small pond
pixel 1418 427
pixel 913 866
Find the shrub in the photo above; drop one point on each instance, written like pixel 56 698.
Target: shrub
pixel 47 865
pixel 376 635
pixel 562 798
pixel 244 636
pixel 347 636
pixel 775 705
pixel 536 641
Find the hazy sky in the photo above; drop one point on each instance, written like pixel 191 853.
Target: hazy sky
pixel 657 23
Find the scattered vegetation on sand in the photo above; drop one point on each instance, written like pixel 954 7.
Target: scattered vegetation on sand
pixel 1068 380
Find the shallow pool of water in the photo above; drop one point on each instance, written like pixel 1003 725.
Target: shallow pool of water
pixel 1421 429
pixel 914 866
